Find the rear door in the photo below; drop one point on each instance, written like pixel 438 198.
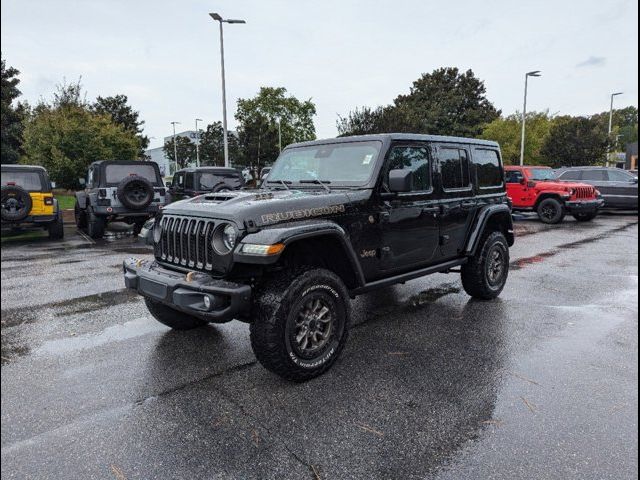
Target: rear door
pixel 457 200
pixel 410 221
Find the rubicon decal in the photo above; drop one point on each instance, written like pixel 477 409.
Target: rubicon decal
pixel 299 214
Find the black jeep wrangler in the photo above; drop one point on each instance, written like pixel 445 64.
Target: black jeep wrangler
pixel 334 219
pixel 131 191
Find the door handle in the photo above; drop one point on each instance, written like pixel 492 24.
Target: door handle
pixel 468 204
pixel 433 210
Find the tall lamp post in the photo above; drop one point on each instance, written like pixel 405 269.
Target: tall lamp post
pixel 175 146
pixel 535 73
pixel 225 137
pixel 610 126
pixel 198 142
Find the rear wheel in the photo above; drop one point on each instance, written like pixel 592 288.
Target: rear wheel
pixel 585 217
pixel 300 323
pixel 95 225
pixel 173 318
pixel 56 228
pixel 551 211
pixel 80 216
pixel 485 275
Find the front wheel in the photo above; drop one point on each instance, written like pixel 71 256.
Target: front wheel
pixel 551 211
pixel 485 274
pixel 300 323
pixel 585 217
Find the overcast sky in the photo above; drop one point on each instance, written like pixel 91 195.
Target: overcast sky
pixel 342 54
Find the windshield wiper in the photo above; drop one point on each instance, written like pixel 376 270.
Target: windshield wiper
pixel 284 183
pixel 316 181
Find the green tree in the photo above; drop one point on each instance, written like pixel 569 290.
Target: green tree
pixel 258 120
pixel 12 116
pixel 186 151
pixel 118 108
pixel 625 126
pixel 212 146
pixel 574 141
pixel 444 102
pixel 507 131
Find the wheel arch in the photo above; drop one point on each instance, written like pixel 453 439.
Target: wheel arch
pixel 546 195
pixel 490 218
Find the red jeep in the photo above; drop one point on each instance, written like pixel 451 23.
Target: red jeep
pixel 535 189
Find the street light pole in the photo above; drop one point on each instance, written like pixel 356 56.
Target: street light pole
pixel 225 134
pixel 175 146
pixel 535 73
pixel 610 127
pixel 198 142
pixel 280 134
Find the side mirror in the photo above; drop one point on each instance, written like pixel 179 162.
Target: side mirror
pixel 635 180
pixel 523 181
pixel 53 184
pixel 82 182
pixel 400 180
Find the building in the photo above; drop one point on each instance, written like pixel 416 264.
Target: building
pixel 631 161
pixel 167 168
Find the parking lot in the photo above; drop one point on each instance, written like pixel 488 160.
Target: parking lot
pixel 541 383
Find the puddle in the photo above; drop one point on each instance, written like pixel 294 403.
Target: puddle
pixel 432 295
pixel 10 350
pixel 116 333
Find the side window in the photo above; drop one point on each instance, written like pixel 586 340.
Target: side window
pixel 417 160
pixel 594 175
pixel 90 178
pixel 178 180
pixel 619 176
pixel 189 184
pixel 571 175
pixel 487 168
pixel 513 176
pixel 454 168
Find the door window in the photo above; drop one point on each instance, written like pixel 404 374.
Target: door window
pixel 513 176
pixel 488 168
pixel 178 180
pixel 454 168
pixel 594 175
pixel 415 159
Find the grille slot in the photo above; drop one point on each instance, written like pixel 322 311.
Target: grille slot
pixel 186 242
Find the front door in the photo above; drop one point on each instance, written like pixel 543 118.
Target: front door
pixel 458 203
pixel 517 189
pixel 409 222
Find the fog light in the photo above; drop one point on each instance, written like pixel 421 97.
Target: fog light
pixel 207 302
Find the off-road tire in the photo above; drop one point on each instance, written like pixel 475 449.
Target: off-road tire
pixel 173 318
pixel 80 216
pixel 551 211
pixel 13 196
pixel 279 302
pixel 95 224
pixel 476 278
pixel 56 228
pixel 135 192
pixel 585 217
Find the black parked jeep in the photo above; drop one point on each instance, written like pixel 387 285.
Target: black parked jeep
pixel 191 182
pixel 130 191
pixel 334 219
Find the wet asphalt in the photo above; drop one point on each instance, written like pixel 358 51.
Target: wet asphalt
pixel 540 383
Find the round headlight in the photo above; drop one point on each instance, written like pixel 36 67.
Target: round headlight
pixel 224 238
pixel 157 230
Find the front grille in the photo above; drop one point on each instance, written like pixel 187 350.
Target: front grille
pixel 186 242
pixel 584 192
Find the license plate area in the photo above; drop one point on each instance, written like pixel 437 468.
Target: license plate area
pixel 152 289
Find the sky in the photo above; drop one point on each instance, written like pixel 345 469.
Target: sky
pixel 165 55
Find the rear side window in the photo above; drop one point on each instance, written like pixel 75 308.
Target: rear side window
pixel 619 176
pixel 594 175
pixel 454 167
pixel 487 168
pixel 30 181
pixel 189 184
pixel 415 159
pixel 571 175
pixel 116 173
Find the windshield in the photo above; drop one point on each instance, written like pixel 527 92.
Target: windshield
pixel 116 173
pixel 30 181
pixel 347 164
pixel 541 174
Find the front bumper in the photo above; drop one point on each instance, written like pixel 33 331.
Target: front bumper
pixel 187 292
pixel 589 206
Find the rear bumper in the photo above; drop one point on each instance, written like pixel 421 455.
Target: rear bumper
pixel 589 206
pixel 227 300
pixel 31 220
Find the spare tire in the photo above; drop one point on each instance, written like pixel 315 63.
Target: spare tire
pixel 135 192
pixel 16 203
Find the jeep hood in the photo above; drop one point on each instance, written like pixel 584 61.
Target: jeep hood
pixel 262 208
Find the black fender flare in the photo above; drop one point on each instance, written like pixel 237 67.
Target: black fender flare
pixel 290 233
pixel 482 219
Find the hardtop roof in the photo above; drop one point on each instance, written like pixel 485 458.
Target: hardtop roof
pixel 415 137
